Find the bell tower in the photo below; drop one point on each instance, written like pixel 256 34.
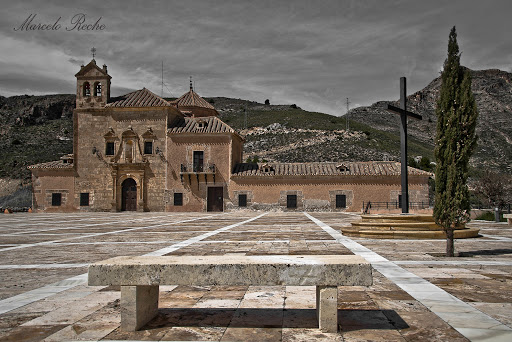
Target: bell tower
pixel 92 85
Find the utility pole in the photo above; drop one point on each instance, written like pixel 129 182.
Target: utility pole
pixel 245 116
pixel 346 115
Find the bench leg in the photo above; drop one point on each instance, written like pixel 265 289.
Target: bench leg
pixel 327 308
pixel 139 304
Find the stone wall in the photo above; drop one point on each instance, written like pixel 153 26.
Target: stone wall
pixel 102 175
pixel 319 193
pixel 194 186
pixel 47 182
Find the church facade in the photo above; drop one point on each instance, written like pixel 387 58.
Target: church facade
pixel 140 152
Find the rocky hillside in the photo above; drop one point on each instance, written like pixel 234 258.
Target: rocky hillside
pixel 493 94
pixel 290 134
pixel 36 129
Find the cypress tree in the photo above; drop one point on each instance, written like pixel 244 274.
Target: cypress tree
pixel 455 142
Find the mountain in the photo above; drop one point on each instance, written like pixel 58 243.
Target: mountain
pixel 493 94
pixel 36 129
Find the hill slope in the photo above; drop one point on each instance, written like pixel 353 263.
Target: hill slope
pixel 493 94
pixel 36 129
pixel 290 134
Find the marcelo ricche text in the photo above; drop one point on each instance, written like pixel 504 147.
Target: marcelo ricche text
pixel 79 22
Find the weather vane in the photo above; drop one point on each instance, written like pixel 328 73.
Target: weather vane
pixel 93 50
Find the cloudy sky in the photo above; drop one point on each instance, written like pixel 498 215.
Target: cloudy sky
pixel 311 53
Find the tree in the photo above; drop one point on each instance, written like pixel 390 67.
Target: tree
pixel 267 102
pixel 455 142
pixel 494 188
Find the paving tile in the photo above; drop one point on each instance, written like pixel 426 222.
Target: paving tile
pixel 92 327
pixel 375 335
pixel 252 334
pixel 193 334
pixel 484 335
pixel 383 311
pixel 271 297
pixel 499 311
pixel 30 333
pixel 301 335
pixel 300 297
pixel 81 308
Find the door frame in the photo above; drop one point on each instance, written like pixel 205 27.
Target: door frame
pixel 211 206
pixel 123 194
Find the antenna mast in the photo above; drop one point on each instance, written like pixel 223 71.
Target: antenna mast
pixel 245 116
pixel 346 115
pixel 162 92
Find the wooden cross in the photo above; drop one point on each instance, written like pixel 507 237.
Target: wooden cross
pixel 403 140
pixel 93 50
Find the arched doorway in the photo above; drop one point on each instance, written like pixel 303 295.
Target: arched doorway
pixel 129 195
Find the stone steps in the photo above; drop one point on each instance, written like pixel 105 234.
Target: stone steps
pixel 372 234
pixel 403 226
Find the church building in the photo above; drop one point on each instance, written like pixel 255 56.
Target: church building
pixel 140 152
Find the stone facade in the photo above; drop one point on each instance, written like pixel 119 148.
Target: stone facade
pixel 140 152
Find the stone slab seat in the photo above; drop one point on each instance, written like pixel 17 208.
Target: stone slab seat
pixel 139 278
pixel 509 218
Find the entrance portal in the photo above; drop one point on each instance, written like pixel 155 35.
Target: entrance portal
pixel 215 199
pixel 129 195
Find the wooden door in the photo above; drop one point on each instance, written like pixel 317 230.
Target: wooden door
pixel 291 201
pixel 129 195
pixel 215 200
pixel 341 201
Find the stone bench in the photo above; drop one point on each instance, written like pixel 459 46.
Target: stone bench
pixel 139 278
pixel 509 218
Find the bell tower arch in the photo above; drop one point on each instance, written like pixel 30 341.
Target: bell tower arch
pixel 92 86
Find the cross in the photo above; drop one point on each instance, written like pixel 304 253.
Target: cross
pixel 403 140
pixel 93 50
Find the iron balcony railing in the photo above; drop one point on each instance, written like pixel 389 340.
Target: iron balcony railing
pixel 393 205
pixel 198 168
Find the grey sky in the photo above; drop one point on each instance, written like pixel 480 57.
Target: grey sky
pixel 312 53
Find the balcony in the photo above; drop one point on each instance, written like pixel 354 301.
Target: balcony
pixel 206 169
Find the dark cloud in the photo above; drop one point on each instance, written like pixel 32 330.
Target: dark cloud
pixel 20 83
pixel 76 61
pixel 314 54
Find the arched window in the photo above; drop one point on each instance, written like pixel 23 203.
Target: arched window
pixel 97 89
pixel 87 89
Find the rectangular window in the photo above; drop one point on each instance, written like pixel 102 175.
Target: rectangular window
pixel 178 198
pixel 84 199
pixel 400 201
pixel 109 148
pixel 242 200
pixel 291 201
pixel 198 161
pixel 56 199
pixel 341 201
pixel 148 147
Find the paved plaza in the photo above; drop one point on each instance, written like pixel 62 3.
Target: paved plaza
pixel 417 293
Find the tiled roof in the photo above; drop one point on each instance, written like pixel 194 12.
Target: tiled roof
pixel 92 65
pixel 373 168
pixel 210 124
pixel 191 99
pixel 139 98
pixel 56 164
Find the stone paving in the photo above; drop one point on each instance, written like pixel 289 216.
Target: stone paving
pixel 418 294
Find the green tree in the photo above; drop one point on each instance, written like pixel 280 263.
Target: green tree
pixel 455 142
pixel 424 164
